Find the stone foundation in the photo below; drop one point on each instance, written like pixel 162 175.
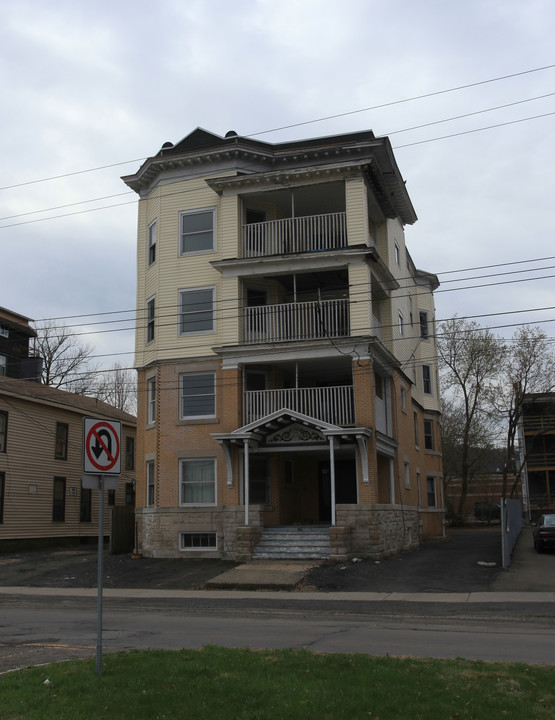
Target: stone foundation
pixel 377 531
pixel 158 530
pixel 374 531
pixel 340 543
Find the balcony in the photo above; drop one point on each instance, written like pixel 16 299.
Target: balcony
pixel 296 321
pixel 310 233
pixel 333 405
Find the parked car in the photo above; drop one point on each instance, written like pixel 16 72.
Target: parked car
pixel 544 533
pixel 487 511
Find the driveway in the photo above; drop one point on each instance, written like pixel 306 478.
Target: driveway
pixel 468 560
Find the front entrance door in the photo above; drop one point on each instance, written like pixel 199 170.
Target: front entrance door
pixel 345 486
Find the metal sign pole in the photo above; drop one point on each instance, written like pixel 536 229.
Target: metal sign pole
pixel 100 575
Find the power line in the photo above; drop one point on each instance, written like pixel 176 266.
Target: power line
pixel 133 311
pixel 308 122
pixel 406 100
pixel 394 147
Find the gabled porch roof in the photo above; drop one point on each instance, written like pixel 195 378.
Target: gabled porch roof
pixel 255 433
pixel 258 430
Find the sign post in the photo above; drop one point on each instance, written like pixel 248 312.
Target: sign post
pixel 101 468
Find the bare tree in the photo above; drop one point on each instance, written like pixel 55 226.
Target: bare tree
pixel 118 387
pixel 469 358
pixel 529 367
pixel 66 360
pixel 480 440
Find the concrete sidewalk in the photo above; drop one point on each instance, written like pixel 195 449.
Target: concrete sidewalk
pixel 300 597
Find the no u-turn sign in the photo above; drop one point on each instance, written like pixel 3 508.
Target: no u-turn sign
pixel 101 446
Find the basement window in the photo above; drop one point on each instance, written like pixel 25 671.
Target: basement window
pixel 198 541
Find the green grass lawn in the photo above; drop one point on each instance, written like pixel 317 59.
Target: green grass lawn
pixel 247 685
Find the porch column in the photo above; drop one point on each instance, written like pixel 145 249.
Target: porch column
pixel 332 478
pixel 246 473
pixel 391 481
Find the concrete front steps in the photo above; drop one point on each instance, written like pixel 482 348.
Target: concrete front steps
pixel 294 542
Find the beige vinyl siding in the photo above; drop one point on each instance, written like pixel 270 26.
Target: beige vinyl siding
pixel 360 301
pixel 229 227
pixel 29 465
pixel 357 212
pixel 230 314
pixel 175 272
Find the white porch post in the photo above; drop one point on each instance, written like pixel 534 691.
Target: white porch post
pixel 332 478
pixel 246 474
pixel 391 481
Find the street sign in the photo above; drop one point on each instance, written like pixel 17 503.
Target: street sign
pixel 101 446
pixel 92 482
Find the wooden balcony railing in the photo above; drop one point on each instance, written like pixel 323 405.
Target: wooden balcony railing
pixel 296 321
pixel 333 404
pixel 309 233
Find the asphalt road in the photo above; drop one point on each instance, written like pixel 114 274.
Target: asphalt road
pixel 33 634
pixel 327 613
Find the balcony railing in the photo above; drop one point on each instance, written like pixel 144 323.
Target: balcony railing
pixel 330 404
pixel 309 233
pixel 296 321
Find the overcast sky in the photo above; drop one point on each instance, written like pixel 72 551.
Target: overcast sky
pixel 88 85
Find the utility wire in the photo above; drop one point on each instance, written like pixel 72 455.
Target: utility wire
pixel 184 191
pixel 306 122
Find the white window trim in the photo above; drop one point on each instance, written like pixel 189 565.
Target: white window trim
pixel 211 548
pixel 401 324
pixel 189 417
pixel 420 314
pixel 150 464
pixel 432 435
pixel 181 292
pixel 4 331
pixel 3 364
pixel 397 254
pixel 431 390
pixel 151 400
pixel 197 211
pixel 150 322
pixel 152 237
pixel 193 459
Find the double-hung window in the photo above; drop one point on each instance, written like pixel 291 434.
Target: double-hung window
pixel 197 311
pixel 429 434
pixel 59 500
pixel 152 231
pixel 397 254
pixel 150 319
pixel 85 505
pixel 198 395
pixel 197 482
pixel 60 450
pixel 2 485
pixel 427 379
pixel 3 430
pixel 401 324
pixel 431 488
pixel 150 483
pixel 3 365
pixel 424 334
pixel 151 400
pixel 415 422
pixel 197 231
